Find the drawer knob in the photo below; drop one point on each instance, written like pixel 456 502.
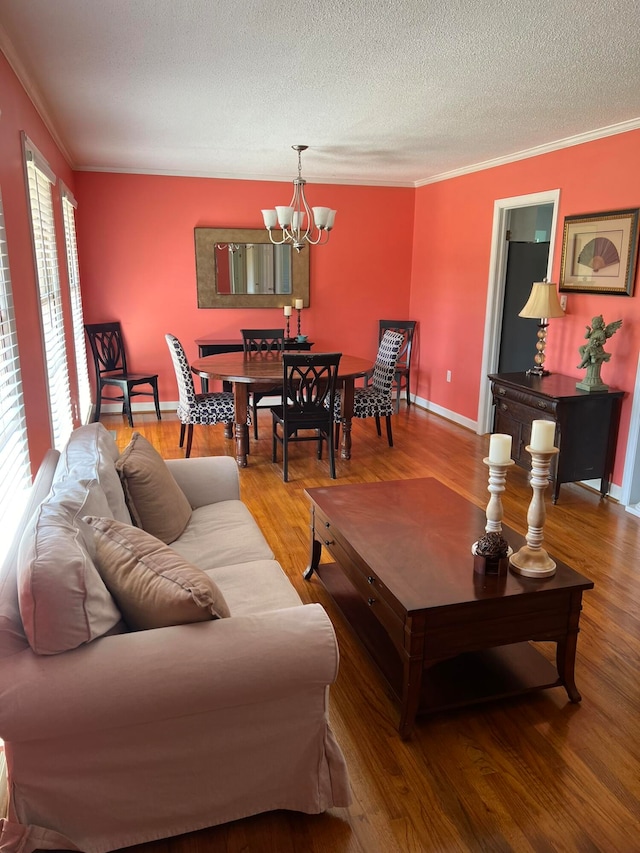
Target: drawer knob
pixel 504 407
pixel 371 601
pixel 327 524
pixel 371 580
pixel 328 541
pixel 542 404
pixel 502 391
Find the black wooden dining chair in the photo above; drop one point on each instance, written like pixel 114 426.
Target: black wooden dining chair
pixel 262 343
pixel 110 364
pixel 402 374
pixel 308 394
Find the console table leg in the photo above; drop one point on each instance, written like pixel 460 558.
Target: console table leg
pixel 314 558
pixel 412 682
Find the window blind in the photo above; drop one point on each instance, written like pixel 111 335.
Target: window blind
pixel 15 467
pixel 73 271
pixel 39 178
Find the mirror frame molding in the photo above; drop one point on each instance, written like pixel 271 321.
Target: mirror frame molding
pixel 208 296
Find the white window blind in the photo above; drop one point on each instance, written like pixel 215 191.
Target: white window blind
pixel 84 390
pixel 15 468
pixel 40 178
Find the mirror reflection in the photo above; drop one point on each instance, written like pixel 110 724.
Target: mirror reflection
pixel 253 268
pixel 241 268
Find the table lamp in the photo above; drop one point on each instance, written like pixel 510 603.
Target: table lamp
pixel 542 304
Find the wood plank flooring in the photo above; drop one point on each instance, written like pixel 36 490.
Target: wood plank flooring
pixel 532 775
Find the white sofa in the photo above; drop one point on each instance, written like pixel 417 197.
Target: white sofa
pixel 116 737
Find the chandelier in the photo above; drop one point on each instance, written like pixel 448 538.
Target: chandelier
pixel 291 219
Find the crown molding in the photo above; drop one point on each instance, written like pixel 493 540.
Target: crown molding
pixel 33 93
pixel 568 142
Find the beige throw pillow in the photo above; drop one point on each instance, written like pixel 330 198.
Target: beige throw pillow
pixel 152 585
pixel 156 502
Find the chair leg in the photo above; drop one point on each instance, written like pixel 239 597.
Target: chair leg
pixel 274 444
pixel 332 457
pixel 255 418
pixel 389 435
pixel 189 440
pixel 408 394
pixel 285 458
pixel 96 414
pixel 126 405
pixel 320 440
pixel 182 429
pixel 156 400
pixel 336 428
pixel 398 392
pixel 378 425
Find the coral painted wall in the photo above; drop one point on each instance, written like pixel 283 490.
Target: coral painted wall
pixel 137 262
pixel 451 254
pixel 19 114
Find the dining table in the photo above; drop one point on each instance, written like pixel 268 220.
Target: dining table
pixel 242 370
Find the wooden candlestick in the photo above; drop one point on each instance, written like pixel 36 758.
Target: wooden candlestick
pixel 532 560
pixel 497 479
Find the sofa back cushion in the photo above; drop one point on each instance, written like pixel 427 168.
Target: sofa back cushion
pixel 63 600
pixel 153 586
pixel 91 454
pixel 12 636
pixel 156 502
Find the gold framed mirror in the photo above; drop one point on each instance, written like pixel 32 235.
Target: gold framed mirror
pixel 241 268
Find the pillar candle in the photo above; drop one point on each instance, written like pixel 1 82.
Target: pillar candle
pixel 299 304
pixel 542 435
pixel 287 310
pixel 499 449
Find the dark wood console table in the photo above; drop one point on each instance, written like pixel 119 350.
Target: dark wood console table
pixel 442 635
pixel 586 424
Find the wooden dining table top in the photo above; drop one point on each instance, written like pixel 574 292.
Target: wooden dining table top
pixel 240 367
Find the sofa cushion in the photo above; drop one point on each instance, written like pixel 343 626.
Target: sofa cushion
pixel 153 586
pixel 91 454
pixel 259 586
pixel 221 534
pixel 63 600
pixel 156 502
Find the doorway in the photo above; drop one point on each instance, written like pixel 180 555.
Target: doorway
pixel 510 215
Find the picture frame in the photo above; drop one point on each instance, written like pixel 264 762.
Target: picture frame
pixel 599 253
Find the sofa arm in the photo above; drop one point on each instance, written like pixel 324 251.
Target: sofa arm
pixel 207 480
pixel 131 679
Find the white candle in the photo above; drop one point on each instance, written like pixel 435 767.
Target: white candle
pixel 287 310
pixel 499 449
pixel 299 304
pixel 542 435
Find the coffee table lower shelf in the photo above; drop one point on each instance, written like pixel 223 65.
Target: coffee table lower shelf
pixel 468 678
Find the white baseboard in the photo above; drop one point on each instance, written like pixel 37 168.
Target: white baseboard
pixel 446 413
pixel 4 789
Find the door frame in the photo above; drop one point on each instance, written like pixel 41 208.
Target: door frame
pixel 495 291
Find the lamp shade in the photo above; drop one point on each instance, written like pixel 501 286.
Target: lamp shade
pixel 543 301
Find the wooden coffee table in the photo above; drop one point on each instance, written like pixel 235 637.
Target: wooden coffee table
pixel 442 635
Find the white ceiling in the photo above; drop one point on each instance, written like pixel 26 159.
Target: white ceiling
pixel 383 91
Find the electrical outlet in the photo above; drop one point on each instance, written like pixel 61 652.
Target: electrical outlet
pixel 448 376
pixel 563 301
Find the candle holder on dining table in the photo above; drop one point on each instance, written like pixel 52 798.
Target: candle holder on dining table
pixel 532 560
pixel 287 313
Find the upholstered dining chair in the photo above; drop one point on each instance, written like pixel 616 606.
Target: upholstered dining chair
pixel 308 393
pixel 262 343
pixel 402 375
pixel 376 399
pixel 110 364
pixel 212 408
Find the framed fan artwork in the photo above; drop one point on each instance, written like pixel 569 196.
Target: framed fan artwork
pixel 599 253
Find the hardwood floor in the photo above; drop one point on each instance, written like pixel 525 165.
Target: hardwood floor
pixel 530 774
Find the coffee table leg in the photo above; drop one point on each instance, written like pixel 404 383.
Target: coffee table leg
pixel 315 550
pixel 566 650
pixel 412 682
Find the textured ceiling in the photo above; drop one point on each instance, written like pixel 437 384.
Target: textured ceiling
pixel 383 91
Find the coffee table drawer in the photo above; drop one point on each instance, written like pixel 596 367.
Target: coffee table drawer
pixel 366 583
